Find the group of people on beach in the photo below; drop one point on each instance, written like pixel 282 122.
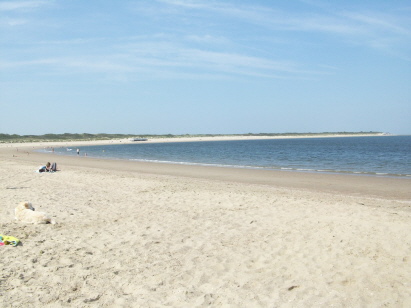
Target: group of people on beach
pixel 52 167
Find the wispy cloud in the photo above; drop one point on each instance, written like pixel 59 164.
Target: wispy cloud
pixel 378 22
pixel 154 58
pixel 171 55
pixel 207 39
pixel 14 13
pixel 11 22
pixel 34 62
pixel 20 5
pixel 356 25
pixel 197 52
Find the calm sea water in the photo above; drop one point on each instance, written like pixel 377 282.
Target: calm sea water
pixel 378 156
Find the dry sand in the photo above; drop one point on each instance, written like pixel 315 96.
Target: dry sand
pixel 155 235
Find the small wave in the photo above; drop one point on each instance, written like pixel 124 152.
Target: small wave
pixel 272 168
pixel 192 164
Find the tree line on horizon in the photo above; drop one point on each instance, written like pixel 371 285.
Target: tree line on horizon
pixel 89 137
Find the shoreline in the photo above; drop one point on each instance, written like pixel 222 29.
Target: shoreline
pixel 79 144
pixel 206 165
pixel 352 184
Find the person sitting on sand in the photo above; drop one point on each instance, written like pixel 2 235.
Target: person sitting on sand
pixel 49 167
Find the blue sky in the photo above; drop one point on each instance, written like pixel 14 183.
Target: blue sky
pixel 193 67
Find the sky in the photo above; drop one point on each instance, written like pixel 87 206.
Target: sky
pixel 205 67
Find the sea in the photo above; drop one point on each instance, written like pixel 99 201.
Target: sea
pixel 388 156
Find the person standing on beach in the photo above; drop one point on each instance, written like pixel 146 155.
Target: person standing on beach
pixel 78 151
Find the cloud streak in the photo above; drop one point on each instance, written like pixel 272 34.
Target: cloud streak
pixel 20 5
pixel 348 24
pixel 150 58
pixel 207 53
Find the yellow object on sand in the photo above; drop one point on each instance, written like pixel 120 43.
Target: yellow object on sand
pixel 8 240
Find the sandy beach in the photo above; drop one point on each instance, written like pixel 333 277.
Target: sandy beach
pixel 134 234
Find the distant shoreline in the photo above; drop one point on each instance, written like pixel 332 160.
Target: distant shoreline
pixel 189 138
